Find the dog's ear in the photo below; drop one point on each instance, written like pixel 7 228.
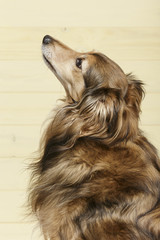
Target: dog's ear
pixel 131 108
pixel 98 111
pixel 134 94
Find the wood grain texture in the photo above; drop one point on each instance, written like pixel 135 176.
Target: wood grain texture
pixel 34 108
pixel 12 206
pixel 19 231
pixel 33 76
pixel 27 76
pixel 19 141
pixel 126 31
pixel 23 141
pixel 85 13
pixel 14 174
pixel 118 43
pixel 27 108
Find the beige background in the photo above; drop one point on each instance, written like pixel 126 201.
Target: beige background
pixel 125 30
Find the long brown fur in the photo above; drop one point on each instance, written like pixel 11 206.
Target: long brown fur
pixel 98 177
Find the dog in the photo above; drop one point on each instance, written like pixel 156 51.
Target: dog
pixel 97 177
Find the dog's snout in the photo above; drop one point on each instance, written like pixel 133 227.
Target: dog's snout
pixel 47 39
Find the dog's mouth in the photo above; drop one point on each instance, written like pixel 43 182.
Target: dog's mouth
pixel 49 64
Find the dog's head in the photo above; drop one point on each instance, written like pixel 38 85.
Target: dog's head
pixel 106 98
pixel 78 71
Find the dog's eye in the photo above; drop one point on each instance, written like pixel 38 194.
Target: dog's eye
pixel 79 63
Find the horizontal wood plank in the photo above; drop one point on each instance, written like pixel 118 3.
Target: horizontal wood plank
pixel 146 71
pixel 27 108
pixel 19 231
pixel 14 174
pixel 34 76
pixel 32 108
pixel 23 141
pixel 117 43
pixel 87 13
pixel 12 206
pixel 152 133
pixel 150 109
pixel 27 76
pixel 126 31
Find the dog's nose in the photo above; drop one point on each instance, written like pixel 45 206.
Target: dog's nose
pixel 47 39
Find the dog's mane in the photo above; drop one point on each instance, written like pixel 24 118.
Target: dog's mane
pixel 103 115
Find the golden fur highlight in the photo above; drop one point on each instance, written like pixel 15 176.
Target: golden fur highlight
pixel 97 177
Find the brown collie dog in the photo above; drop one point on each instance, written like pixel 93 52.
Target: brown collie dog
pixel 98 177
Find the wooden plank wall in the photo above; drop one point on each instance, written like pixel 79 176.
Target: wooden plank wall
pixel 127 31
